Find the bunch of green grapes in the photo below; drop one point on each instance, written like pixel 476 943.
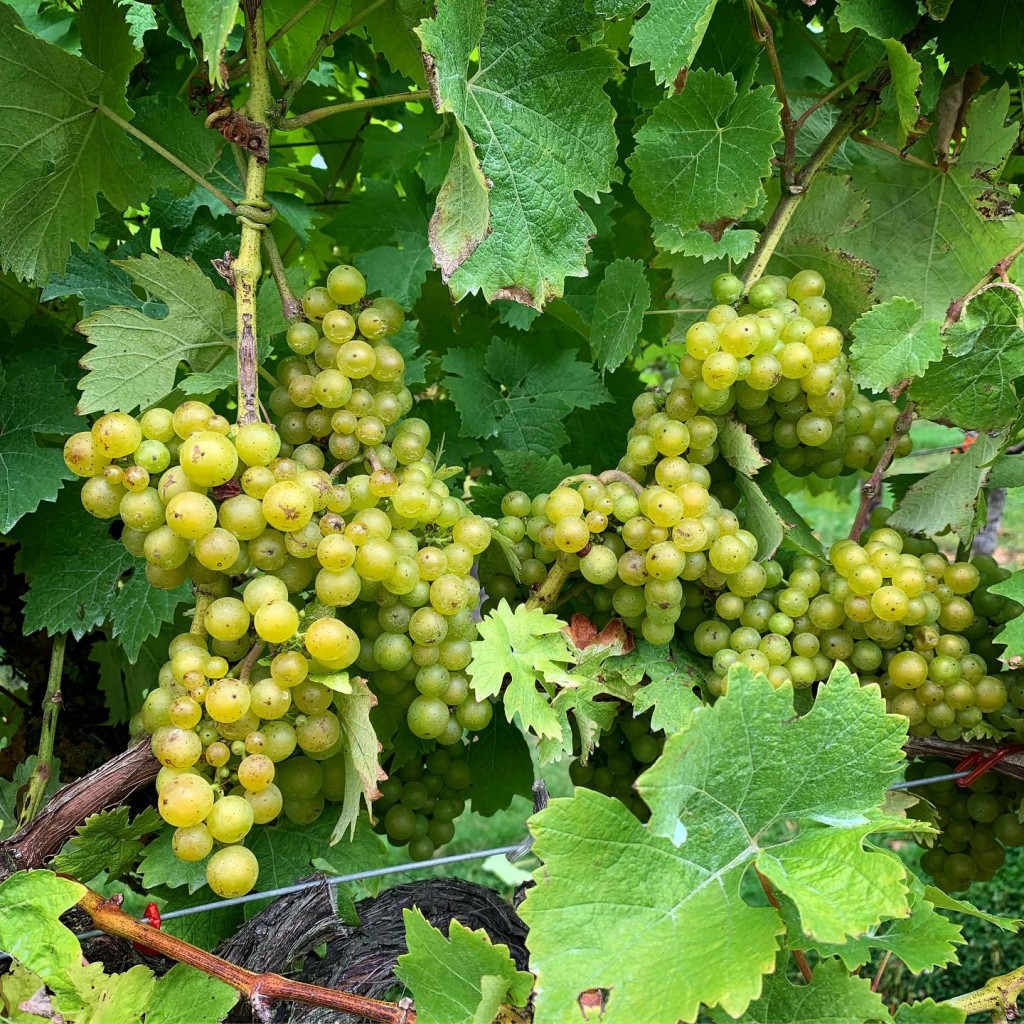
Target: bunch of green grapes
pixel 779 367
pixel 646 551
pixel 622 753
pixel 976 824
pixel 312 557
pixel 420 801
pixel 792 631
pixel 934 655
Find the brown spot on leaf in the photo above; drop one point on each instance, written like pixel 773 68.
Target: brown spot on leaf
pixel 583 634
pixel 717 228
pixel 679 83
pixel 516 293
pixel 430 67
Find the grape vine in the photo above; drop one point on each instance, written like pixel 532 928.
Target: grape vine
pixel 476 401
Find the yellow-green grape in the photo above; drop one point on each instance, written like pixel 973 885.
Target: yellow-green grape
pixel 288 506
pixel 192 843
pixel 190 417
pixel 83 454
pixel 266 803
pixel 191 515
pixel 228 700
pixel 269 700
pixel 176 748
pixel 302 337
pixel 117 434
pixel 185 800
pixel 157 424
pixel 276 622
pixel 332 642
pixel 230 819
pixel 227 618
pixel 256 772
pixel 317 303
pixel 346 285
pixel 257 444
pixel 232 871
pixel 208 458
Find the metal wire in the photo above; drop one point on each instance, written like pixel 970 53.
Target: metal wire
pixel 398 869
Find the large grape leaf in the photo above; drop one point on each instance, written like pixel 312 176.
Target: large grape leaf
pixel 461 979
pixel 703 153
pixel 57 151
pixel 881 19
pixel 1012 633
pixel 891 343
pixel 976 389
pixel 135 357
pixel 34 400
pixel 518 396
pixel 718 799
pixel 952 225
pixel 543 129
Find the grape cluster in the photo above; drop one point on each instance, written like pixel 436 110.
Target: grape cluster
pixel 779 367
pixel 976 824
pixel 895 610
pixel 420 801
pixel 622 753
pixel 302 575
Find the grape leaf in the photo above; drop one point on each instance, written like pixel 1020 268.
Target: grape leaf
pixel 623 296
pixel 35 400
pixel 543 128
pixel 526 645
pixel 134 357
pixel 1007 471
pixel 666 678
pixel 1012 633
pixel 947 498
pixel 734 243
pixel 461 979
pixel 668 35
pixel 140 18
pixel 924 940
pixel 106 842
pixel 703 154
pixel 378 216
pixel 893 342
pixel 107 44
pixel 716 797
pixel 906 82
pixel 160 867
pixel 391 27
pixel 976 389
pixel 501 766
pixel 831 997
pixel 986 32
pixel 80 577
pixel 362 754
pixel 462 213
pixel 927 1011
pixel 98 282
pixel 880 19
pixel 59 152
pixel 761 518
pixel 520 398
pixel 13 788
pixel 953 225
pixel 212 21
pixel 739 449
pixel 185 995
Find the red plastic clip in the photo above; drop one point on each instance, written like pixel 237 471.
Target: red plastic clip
pixel 152 916
pixel 982 763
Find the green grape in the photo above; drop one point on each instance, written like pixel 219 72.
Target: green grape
pixel 232 871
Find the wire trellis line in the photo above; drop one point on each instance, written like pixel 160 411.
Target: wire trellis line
pixel 399 869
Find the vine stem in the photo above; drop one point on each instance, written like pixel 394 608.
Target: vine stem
pixel 998 995
pixel 766 37
pixel 259 989
pixel 547 593
pixel 43 770
pixel 202 606
pixel 291 124
pixel 787 205
pixel 871 489
pixel 798 954
pixel 247 268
